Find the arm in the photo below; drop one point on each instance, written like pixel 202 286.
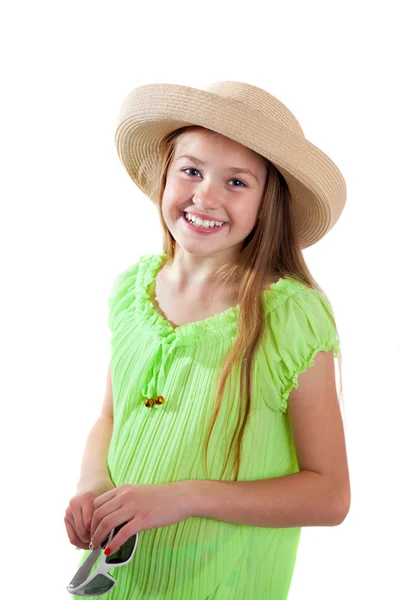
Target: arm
pixel 94 461
pixel 319 494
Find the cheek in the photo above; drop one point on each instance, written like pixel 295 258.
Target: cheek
pixel 172 202
pixel 245 214
pixel 174 192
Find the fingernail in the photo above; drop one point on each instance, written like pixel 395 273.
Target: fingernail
pixel 107 551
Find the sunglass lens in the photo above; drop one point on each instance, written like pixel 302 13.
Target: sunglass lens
pixel 123 553
pixel 116 530
pixel 99 585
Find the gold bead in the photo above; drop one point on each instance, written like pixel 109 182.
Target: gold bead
pixel 148 402
pixel 159 400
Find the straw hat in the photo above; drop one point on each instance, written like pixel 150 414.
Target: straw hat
pixel 247 114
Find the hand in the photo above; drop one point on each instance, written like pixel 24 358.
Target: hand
pixel 142 506
pixel 79 513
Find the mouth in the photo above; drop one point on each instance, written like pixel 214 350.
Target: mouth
pixel 199 228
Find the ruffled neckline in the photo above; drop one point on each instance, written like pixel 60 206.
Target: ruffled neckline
pixel 219 325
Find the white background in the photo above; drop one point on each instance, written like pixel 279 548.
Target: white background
pixel 72 219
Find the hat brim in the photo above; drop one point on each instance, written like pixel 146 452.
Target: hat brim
pixel 150 112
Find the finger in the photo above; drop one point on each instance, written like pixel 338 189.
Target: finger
pixel 70 516
pixel 103 498
pixel 102 513
pixel 76 509
pixel 123 535
pixel 84 529
pixel 73 537
pixel 106 525
pixel 87 515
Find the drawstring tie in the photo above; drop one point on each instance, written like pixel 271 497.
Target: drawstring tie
pixel 155 378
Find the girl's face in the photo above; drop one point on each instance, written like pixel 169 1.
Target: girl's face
pixel 222 180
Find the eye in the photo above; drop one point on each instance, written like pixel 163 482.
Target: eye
pixel 241 183
pixel 190 169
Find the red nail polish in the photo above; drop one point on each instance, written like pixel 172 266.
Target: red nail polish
pixel 107 551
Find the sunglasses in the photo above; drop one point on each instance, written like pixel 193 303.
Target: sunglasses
pixel 100 581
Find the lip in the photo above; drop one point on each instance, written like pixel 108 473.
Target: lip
pixel 212 231
pixel 203 216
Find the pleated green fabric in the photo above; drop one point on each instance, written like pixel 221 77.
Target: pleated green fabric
pixel 199 558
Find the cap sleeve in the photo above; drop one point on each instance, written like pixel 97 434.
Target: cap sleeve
pixel 298 328
pixel 121 295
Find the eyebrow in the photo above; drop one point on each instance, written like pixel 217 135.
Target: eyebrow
pixel 232 170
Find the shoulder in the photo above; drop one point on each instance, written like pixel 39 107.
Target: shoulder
pixel 125 288
pixel 306 310
pixel 128 276
pixel 287 291
pixel 300 323
pixel 123 279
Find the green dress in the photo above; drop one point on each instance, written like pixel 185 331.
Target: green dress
pixel 200 558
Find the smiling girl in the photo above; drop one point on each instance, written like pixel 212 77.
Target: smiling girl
pixel 221 432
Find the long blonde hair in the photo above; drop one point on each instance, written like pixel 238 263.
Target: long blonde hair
pixel 271 247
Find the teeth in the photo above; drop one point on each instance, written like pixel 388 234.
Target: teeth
pixel 200 223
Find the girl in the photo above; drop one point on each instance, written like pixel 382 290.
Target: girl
pixel 221 433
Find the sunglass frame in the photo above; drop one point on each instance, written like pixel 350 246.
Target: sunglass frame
pixel 80 580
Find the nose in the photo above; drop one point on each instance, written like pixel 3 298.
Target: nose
pixel 207 196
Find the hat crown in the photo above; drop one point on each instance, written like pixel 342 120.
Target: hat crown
pixel 258 99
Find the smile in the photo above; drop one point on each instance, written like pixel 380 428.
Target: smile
pixel 198 227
